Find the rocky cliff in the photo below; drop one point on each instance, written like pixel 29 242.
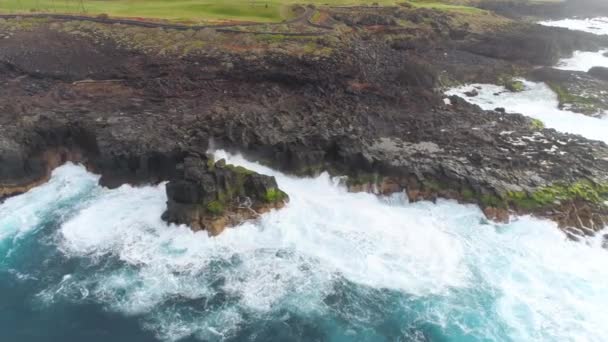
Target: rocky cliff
pixel 362 98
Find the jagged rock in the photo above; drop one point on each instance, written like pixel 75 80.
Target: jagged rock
pixel 472 93
pixel 535 44
pixel 213 197
pixel 497 214
pixel 362 109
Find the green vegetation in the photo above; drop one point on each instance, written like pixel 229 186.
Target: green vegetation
pixel 492 201
pixel 215 208
pixel 537 124
pixel 467 194
pixel 274 195
pixel 434 185
pixel 546 196
pixel 445 6
pixel 177 10
pixel 565 97
pixel 205 11
pixel 239 170
pixel 511 84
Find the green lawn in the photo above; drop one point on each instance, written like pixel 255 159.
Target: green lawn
pixel 178 10
pixel 444 5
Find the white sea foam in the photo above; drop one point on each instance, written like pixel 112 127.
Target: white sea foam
pixel 592 25
pixel 538 285
pixel 584 60
pixel 522 281
pixel 537 101
pixel 21 214
pixel 290 257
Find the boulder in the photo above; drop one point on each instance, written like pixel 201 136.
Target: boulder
pixel 212 197
pixel 472 93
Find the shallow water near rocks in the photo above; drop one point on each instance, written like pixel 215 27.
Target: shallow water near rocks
pixel 78 261
pixel 583 60
pixel 597 25
pixel 537 101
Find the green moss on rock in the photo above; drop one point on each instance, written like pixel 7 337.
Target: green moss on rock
pixel 565 97
pixel 512 84
pixel 435 185
pixel 537 124
pixel 274 195
pixel 467 194
pixel 239 170
pixel 582 190
pixel 215 208
pixel 494 201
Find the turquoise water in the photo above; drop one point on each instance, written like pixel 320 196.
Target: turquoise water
pixel 82 263
pixel 78 262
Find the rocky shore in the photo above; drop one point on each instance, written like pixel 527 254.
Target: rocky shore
pixel 363 98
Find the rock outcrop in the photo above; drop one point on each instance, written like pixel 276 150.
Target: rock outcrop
pixel 577 91
pixel 212 196
pixel 362 103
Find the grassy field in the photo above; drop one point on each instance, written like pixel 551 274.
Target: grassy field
pixel 177 10
pixel 444 5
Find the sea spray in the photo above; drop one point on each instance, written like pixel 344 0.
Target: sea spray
pixel 332 266
pixel 539 102
pixel 583 60
pixel 597 25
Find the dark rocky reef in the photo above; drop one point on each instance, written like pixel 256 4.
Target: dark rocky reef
pixel 601 73
pixel 362 101
pixel 546 9
pixel 531 43
pixel 212 196
pixel 580 92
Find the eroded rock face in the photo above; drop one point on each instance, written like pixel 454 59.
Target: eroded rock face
pixel 367 109
pixel 535 44
pixel 213 196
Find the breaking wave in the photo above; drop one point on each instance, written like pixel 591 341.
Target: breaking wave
pixel 331 266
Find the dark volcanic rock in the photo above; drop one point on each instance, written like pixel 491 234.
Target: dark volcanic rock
pixel 211 197
pixel 362 109
pixel 533 44
pixel 472 93
pixel 599 73
pixel 546 9
pixel 52 58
